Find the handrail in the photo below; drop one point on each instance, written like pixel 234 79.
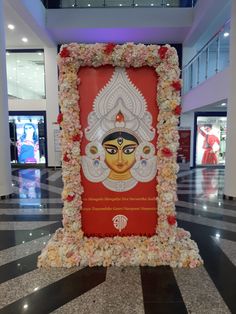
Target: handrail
pixel 207 62
pixel 206 45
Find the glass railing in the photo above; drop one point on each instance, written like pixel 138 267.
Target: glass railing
pixel 61 4
pixel 211 59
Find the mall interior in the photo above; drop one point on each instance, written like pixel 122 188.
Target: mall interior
pixel 204 35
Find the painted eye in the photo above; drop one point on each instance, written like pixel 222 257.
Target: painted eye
pixel 128 150
pixel 111 150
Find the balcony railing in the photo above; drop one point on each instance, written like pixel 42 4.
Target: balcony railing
pixel 211 59
pixel 61 4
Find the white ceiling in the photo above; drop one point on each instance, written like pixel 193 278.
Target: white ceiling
pixel 214 107
pixel 13 37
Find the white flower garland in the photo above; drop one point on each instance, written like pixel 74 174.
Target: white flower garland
pixel 171 245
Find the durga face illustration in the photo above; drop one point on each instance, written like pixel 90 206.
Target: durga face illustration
pixel 119 153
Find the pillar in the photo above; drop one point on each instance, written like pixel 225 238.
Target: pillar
pixel 52 105
pixel 230 161
pixel 5 164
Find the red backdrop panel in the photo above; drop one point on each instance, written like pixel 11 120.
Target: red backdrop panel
pixel 100 205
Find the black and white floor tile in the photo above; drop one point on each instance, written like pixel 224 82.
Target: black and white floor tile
pixel 31 216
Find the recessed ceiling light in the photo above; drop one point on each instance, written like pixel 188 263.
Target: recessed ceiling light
pixel 136 4
pixel 167 4
pixel 120 4
pixel 40 53
pixel 89 5
pixel 226 34
pixel 24 39
pixel 152 4
pixel 223 104
pixel 11 26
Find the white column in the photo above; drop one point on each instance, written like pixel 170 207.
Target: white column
pixel 5 165
pixel 230 163
pixel 51 77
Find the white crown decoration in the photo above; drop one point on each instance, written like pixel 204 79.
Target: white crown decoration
pixel 119 96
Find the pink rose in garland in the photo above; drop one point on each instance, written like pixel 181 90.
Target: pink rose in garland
pixel 109 48
pixel 166 152
pixel 162 52
pixel 177 110
pixel 171 220
pixel 65 53
pixel 176 85
pixel 70 198
pixel 60 118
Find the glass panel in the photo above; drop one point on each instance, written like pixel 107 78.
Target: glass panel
pixel 202 66
pixel 224 51
pixel 25 75
pixel 187 79
pixel 147 3
pixel 212 61
pixel 171 3
pixel 68 3
pixel 119 3
pixel 194 73
pixel 90 3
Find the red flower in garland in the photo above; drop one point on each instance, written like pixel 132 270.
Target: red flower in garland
pixel 66 158
pixel 162 52
pixel 65 53
pixel 177 110
pixel 176 85
pixel 166 152
pixel 109 48
pixel 60 118
pixel 70 198
pixel 76 138
pixel 171 220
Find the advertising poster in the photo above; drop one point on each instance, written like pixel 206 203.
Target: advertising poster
pixel 30 147
pixel 211 140
pixel 118 114
pixel 184 146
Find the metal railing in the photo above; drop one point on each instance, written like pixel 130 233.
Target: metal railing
pixel 61 4
pixel 211 59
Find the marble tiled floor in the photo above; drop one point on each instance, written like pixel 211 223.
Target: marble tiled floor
pixel 31 216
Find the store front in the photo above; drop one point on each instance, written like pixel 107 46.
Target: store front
pixel 210 138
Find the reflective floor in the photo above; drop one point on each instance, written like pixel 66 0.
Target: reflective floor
pixel 34 213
